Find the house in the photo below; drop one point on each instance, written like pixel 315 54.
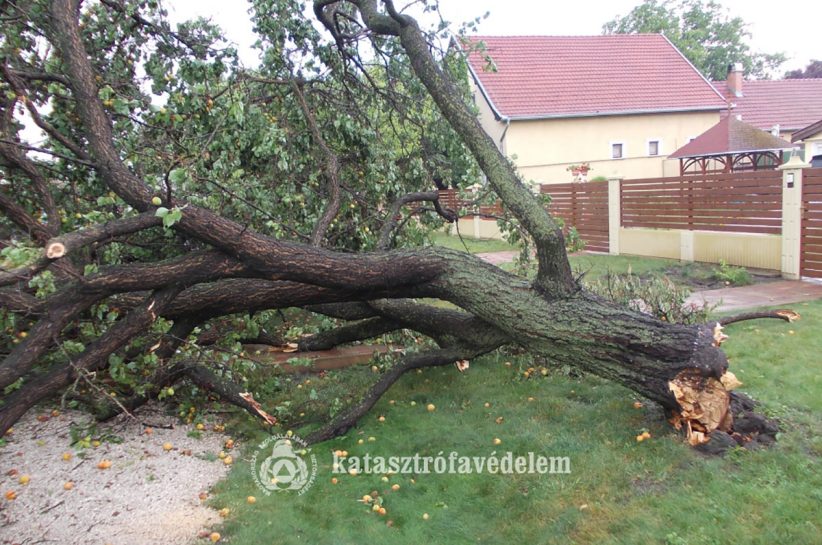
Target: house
pixel 811 138
pixel 780 106
pixel 620 103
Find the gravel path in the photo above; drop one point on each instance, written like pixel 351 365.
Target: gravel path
pixel 148 495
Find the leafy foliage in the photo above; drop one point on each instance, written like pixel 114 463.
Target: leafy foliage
pixel 703 31
pixel 813 70
pixel 654 295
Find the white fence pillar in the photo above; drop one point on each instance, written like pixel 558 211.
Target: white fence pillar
pixel 614 214
pixel 792 217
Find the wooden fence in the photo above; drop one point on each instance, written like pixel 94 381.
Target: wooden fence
pixel 810 262
pixel 747 202
pixel 583 206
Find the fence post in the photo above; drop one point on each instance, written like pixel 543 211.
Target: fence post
pixel 792 217
pixel 614 213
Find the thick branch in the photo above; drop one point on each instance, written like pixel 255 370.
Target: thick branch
pixel 358 331
pixel 64 245
pixel 348 418
pixel 554 275
pixel 93 358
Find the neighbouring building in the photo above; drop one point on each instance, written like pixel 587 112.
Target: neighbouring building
pixel 810 138
pixel 782 107
pixel 621 103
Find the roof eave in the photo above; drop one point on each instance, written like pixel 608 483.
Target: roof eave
pixel 497 114
pixel 537 117
pixel 734 152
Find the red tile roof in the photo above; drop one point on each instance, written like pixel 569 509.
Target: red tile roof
pixel 789 103
pixel 568 76
pixel 730 136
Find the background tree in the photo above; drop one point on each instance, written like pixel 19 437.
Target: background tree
pixel 703 31
pixel 813 70
pixel 182 207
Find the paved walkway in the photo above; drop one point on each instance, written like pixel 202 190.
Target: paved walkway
pixel 781 292
pixel 498 258
pixel 768 294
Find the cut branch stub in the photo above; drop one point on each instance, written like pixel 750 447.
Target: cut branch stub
pixel 55 250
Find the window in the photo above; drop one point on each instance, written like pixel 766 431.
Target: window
pixel 617 150
pixel 653 147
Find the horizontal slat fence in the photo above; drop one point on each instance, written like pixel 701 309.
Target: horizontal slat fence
pixel 449 198
pixel 584 206
pixel 749 202
pixel 811 240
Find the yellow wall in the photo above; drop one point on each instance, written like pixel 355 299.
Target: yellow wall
pixel 490 124
pixel 740 249
pixel 543 149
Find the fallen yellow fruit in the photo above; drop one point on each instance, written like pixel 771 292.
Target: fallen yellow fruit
pixel 251 499
pixel 395 487
pixel 425 516
pixel 497 441
pixel 214 537
pixel 366 499
pixel 167 446
pixel 67 456
pixel 376 507
pixel 200 427
pixel 334 480
pixel 224 512
pixel 640 438
pixel 431 407
pixel 381 419
pixel 11 495
pixel 382 511
pixel 24 479
pixel 228 460
pixel 68 485
pixel 104 464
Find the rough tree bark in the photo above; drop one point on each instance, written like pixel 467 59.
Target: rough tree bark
pixel 680 367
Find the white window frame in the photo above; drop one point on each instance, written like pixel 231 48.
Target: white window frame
pixel 624 149
pixel 658 147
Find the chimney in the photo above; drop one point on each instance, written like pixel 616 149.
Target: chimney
pixel 735 79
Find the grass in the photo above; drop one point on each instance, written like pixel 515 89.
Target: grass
pixel 475 246
pixel 596 266
pixel 657 491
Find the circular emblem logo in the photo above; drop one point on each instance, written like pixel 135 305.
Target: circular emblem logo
pixel 283 463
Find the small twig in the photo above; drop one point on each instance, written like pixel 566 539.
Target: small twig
pixel 47 509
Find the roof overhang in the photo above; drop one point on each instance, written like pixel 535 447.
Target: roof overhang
pixel 735 152
pixel 538 117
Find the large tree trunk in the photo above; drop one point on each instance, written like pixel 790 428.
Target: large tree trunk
pixel 680 367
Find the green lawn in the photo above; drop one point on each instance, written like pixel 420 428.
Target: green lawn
pixel 596 266
pixel 475 246
pixel 619 491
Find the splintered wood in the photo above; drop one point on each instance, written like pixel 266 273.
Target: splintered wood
pixel 272 421
pixel 705 404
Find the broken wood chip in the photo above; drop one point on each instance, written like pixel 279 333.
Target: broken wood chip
pixel 258 408
pixel 461 365
pixel 719 337
pixel 789 315
pixel 290 347
pixel 729 381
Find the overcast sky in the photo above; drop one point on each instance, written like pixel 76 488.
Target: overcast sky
pixel 791 27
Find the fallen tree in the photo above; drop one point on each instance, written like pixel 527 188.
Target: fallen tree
pixel 179 246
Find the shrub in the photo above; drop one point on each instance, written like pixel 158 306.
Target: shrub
pixel 734 276
pixel 655 295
